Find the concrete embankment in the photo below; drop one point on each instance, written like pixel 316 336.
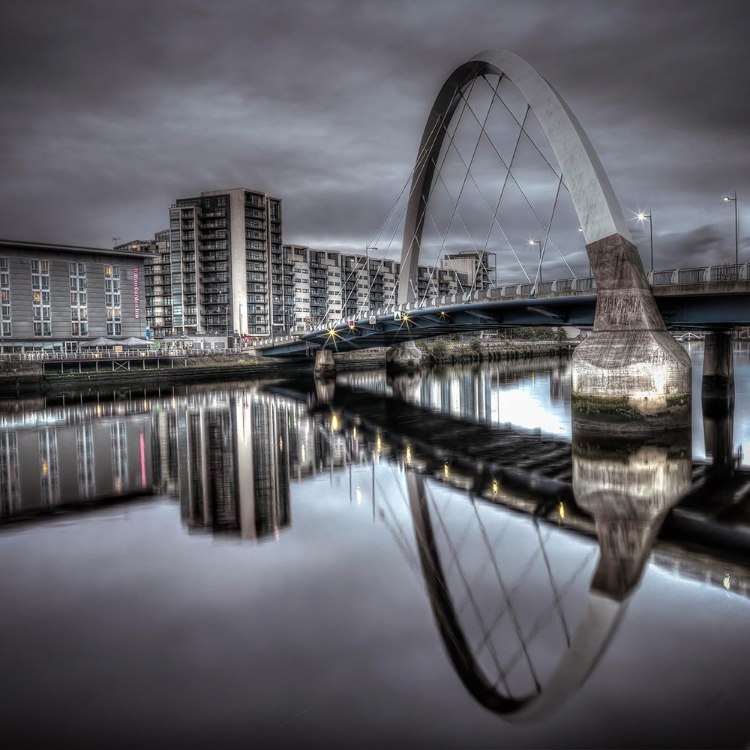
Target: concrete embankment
pixel 40 376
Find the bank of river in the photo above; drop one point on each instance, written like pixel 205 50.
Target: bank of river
pixel 41 376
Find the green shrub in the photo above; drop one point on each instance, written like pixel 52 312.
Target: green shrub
pixel 439 349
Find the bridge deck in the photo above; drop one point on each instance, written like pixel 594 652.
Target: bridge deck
pixel 702 305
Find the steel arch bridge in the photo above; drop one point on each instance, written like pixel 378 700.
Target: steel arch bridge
pixel 599 213
pixel 702 298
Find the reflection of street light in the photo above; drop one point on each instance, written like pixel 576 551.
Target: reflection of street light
pixel 538 242
pixel 643 216
pixel 727 199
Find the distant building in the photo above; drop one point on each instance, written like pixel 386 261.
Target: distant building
pixel 330 285
pixel 477 266
pixel 54 297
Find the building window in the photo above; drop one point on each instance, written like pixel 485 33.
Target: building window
pixel 40 300
pixel 79 319
pixel 5 323
pixel 112 300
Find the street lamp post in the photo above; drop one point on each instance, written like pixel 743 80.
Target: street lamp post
pixel 538 242
pixel 727 199
pixel 643 216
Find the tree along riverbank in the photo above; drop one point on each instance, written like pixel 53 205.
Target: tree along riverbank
pixel 44 375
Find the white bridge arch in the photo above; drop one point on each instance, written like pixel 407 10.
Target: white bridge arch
pixel 595 203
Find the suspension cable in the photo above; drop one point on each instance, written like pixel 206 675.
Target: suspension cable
pixel 463 184
pixel 420 158
pixel 494 216
pixel 525 197
pixel 422 213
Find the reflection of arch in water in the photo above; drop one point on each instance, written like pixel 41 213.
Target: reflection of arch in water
pixel 628 488
pixel 587 644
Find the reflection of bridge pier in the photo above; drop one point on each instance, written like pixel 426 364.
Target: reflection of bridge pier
pixel 718 370
pixel 628 488
pixel 718 431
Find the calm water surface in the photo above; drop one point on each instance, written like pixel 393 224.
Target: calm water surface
pixel 367 563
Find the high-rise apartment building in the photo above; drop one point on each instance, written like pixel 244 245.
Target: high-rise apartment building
pixel 220 269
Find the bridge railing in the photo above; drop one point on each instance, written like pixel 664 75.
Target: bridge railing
pixel 587 284
pixel 728 273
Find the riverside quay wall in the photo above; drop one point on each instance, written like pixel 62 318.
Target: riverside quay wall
pixel 128 370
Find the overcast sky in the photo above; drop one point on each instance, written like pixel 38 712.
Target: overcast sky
pixel 111 111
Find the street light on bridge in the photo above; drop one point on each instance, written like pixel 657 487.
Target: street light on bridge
pixel 727 199
pixel 643 216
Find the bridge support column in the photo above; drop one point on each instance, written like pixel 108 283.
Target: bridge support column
pixel 324 362
pixel 718 367
pixel 406 356
pixel 630 375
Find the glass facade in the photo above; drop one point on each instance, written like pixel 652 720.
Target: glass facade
pixel 112 300
pixel 79 319
pixel 6 328
pixel 40 298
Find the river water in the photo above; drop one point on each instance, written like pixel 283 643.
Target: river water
pixel 415 561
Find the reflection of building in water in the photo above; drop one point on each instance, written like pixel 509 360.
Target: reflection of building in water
pixel 85 461
pixel 74 456
pixel 49 466
pixel 227 456
pixel 119 443
pixel 10 493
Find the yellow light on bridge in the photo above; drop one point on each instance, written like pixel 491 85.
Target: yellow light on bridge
pixel 335 422
pixel 408 455
pixel 379 444
pixel 495 487
pixel 44 467
pixel 561 511
pixel 446 470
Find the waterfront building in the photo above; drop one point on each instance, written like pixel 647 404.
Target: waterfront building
pixel 219 269
pixel 57 297
pixel 330 286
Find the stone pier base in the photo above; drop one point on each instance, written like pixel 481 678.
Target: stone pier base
pixel 324 362
pixel 718 367
pixel 405 356
pixel 631 381
pixel 629 375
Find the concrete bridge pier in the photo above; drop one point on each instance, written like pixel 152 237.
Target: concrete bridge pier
pixel 406 356
pixel 629 375
pixel 718 369
pixel 324 362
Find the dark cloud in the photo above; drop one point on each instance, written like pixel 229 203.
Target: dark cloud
pixel 113 110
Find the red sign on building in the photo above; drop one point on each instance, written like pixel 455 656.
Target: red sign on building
pixel 136 294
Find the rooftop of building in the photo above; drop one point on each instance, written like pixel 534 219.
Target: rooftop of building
pixel 46 247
